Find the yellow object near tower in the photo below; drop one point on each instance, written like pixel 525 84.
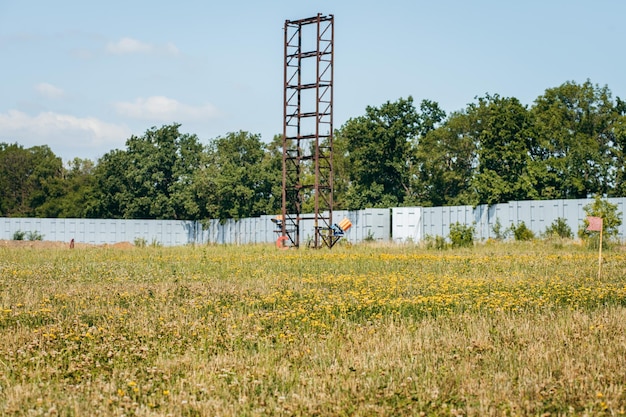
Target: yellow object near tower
pixel 345 224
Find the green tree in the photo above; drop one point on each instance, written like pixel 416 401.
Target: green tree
pixel 618 130
pixel 430 117
pixel 15 188
pixel 241 178
pixel 341 169
pixel 111 186
pixel 378 154
pixel 78 192
pixel 574 130
pixel 152 178
pixel 444 163
pixel 28 178
pixel 272 175
pixel 501 129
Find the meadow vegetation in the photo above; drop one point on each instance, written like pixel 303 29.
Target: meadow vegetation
pixel 517 328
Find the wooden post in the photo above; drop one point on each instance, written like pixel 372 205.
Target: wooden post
pixel 600 255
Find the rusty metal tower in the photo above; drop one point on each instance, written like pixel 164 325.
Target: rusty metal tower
pixel 308 130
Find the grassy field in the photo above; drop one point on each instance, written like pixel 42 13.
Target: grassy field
pixel 506 329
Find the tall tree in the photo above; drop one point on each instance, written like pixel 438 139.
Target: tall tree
pixel 501 127
pixel 430 117
pixel 573 126
pixel 152 179
pixel 15 169
pixel 76 192
pixel 28 178
pixel 341 169
pixel 272 168
pixel 618 130
pixel 112 190
pixel 444 163
pixel 378 154
pixel 241 178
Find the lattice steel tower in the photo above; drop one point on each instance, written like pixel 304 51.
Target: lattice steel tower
pixel 308 129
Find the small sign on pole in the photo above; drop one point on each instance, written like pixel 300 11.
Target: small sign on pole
pixel 595 225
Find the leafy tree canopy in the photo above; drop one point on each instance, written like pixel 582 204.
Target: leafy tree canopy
pixel 570 143
pixel 152 178
pixel 241 178
pixel 378 152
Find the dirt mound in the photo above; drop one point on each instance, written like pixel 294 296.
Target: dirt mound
pixel 32 244
pixel 123 245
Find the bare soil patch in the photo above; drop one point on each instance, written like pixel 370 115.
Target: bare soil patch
pixel 47 244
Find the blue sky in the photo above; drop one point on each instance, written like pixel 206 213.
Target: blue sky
pixel 82 76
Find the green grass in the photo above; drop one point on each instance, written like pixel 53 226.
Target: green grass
pixel 505 329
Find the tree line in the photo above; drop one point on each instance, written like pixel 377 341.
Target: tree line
pixel 570 143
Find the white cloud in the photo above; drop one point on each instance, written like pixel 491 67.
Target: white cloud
pixel 128 46
pixel 171 49
pixel 74 136
pixel 163 109
pixel 49 90
pixel 134 46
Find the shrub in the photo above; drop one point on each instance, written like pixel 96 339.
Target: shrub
pixel 611 221
pixel 461 235
pixel 34 235
pixel 559 228
pixel 436 242
pixel 19 235
pixel 521 232
pixel 140 242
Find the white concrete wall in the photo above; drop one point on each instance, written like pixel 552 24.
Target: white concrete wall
pixel 400 224
pixel 536 215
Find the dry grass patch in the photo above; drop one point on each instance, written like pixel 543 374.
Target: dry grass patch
pixel 501 330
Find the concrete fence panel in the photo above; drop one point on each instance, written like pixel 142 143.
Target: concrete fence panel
pixel 409 224
pixel 406 224
pixel 536 215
